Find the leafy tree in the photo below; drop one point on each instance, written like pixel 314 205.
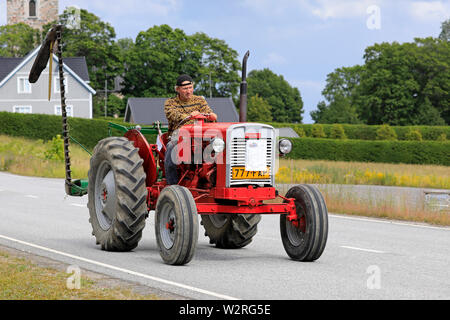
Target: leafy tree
pixel 286 102
pixel 445 31
pixel 341 93
pixel 95 40
pixel 160 55
pixel 219 64
pixel 258 110
pixel 399 85
pixel 18 40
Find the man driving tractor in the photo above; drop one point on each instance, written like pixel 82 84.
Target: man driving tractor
pixel 177 109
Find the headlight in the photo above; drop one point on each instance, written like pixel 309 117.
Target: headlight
pixel 218 145
pixel 285 146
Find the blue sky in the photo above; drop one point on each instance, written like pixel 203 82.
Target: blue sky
pixel 303 40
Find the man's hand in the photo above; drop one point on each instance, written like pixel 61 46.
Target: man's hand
pixel 212 117
pixel 195 113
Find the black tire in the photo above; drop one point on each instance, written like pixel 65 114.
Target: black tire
pixel 176 225
pixel 117 195
pixel 306 241
pixel 231 231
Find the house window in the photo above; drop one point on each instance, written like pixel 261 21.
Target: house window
pixel 32 7
pixel 57 87
pixel 69 111
pixel 22 109
pixel 23 85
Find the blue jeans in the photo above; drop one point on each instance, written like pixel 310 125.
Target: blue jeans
pixel 169 166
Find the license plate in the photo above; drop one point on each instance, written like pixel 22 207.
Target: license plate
pixel 241 173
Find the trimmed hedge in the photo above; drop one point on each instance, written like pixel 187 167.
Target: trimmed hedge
pixel 39 126
pixel 89 131
pixel 366 132
pixel 412 152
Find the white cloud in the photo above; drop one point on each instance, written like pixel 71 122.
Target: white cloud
pixel 326 9
pixel 430 11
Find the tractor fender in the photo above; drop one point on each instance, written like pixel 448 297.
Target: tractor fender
pixel 145 152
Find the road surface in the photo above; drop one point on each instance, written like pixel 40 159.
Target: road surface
pixel 364 258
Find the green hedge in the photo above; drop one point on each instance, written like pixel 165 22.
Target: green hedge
pixel 89 131
pixel 366 132
pixel 38 126
pixel 413 152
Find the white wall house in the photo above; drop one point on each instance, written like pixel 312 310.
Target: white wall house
pixel 18 95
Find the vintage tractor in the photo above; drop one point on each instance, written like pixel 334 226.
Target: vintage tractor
pixel 226 176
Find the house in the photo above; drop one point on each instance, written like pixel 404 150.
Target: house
pixel 18 95
pixel 147 111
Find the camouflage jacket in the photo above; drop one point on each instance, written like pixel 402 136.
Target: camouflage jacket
pixel 177 110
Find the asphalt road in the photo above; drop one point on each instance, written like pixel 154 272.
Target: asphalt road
pixel 364 258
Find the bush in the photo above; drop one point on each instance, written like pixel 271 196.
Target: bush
pixel 337 132
pixel 369 132
pixel 88 132
pixel 385 132
pixel 413 152
pixel 442 137
pixel 317 131
pixel 301 133
pixel 414 135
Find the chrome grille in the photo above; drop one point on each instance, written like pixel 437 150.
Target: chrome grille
pixel 237 159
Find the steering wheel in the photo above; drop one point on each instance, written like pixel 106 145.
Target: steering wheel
pixel 200 116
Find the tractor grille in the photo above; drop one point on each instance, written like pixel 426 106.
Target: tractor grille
pixel 237 159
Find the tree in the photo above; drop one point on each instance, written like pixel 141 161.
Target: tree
pixel 95 40
pixel 18 40
pixel 285 101
pixel 445 31
pixel 219 64
pixel 340 91
pixel 403 84
pixel 259 110
pixel 160 55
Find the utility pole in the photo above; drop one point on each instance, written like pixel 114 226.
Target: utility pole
pixel 106 96
pixel 210 86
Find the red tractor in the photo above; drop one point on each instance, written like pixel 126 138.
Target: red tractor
pixel 230 185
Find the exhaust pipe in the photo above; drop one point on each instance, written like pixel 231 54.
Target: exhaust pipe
pixel 243 97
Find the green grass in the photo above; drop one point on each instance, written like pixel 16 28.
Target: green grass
pixel 20 279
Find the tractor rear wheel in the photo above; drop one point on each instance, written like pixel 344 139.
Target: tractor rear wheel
pixel 176 225
pixel 117 194
pixel 230 231
pixel 305 238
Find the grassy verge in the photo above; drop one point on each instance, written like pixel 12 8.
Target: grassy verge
pixel 37 158
pixel 21 279
pixel 384 209
pixel 363 173
pixel 40 159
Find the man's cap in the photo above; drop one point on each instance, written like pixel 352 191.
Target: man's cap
pixel 184 78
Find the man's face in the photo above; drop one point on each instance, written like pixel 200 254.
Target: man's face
pixel 185 92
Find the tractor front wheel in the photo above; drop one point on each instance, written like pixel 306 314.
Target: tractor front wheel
pixel 230 231
pixel 176 225
pixel 305 238
pixel 117 195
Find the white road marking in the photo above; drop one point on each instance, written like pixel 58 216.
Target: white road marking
pixel 104 265
pixel 362 249
pixel 388 222
pixel 78 205
pixel 31 196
